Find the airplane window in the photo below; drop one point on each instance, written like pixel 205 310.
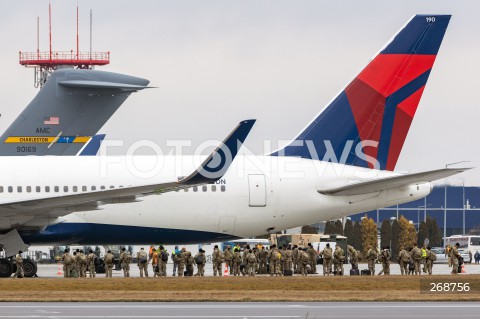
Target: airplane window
pixel 38 189
pixel 65 189
pixel 93 188
pixel 111 186
pixel 84 188
pixel 214 188
pixel 195 188
pixel 75 189
pixel 10 189
pixel 102 187
pixel 204 188
pixel 222 188
pixel 47 189
pixel 1 189
pixel 56 189
pixel 19 189
pixel 29 189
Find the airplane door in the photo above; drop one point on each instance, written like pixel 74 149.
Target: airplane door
pixel 226 225
pixel 257 190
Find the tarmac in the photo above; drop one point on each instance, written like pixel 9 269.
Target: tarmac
pixel 242 310
pixel 55 270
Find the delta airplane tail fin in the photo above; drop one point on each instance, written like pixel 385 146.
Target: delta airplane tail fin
pixel 68 110
pixel 367 123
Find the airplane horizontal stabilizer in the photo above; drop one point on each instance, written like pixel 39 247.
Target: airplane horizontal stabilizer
pixel 98 85
pixel 391 182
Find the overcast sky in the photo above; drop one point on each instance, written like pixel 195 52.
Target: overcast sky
pixel 218 62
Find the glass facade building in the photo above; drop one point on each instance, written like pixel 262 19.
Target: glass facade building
pixel 456 208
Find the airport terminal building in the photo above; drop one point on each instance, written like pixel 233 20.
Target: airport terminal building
pixel 459 204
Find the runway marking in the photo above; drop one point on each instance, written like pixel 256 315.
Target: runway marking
pixel 55 316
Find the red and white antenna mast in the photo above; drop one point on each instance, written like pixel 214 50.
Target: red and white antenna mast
pixel 44 63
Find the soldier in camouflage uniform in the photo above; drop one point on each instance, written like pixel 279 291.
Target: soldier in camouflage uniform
pixel 246 248
pixel 403 259
pixel 162 261
pixel 371 258
pixel 19 262
pixel 229 259
pixel 338 258
pixel 256 252
pixel 142 262
pixel 416 255
pixel 295 258
pixel 327 260
pixel 237 260
pixel 67 263
pixel 109 259
pixel 83 264
pixel 91 263
pixel 200 260
pixel 431 257
pixel 352 252
pixel 312 254
pixel 303 261
pixel 181 260
pixel 125 263
pixel 274 258
pixel 217 261
pixel 251 260
pixel 288 255
pixel 263 256
pixel 385 260
pixel 455 257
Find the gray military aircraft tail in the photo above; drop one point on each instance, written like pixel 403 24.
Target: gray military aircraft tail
pixel 67 112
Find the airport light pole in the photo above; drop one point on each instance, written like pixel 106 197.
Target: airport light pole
pixel 445 209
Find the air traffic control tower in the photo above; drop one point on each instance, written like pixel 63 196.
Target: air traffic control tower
pixel 44 63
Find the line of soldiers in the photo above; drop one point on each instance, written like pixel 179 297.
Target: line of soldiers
pixel 76 265
pixel 410 260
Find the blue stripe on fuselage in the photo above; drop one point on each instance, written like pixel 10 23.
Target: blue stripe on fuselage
pixel 107 234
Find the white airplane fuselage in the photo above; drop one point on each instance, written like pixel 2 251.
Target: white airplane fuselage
pixel 255 196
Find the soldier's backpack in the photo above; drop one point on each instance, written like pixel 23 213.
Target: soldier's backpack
pixel 221 257
pixel 238 258
pixel 83 258
pixel 405 256
pixel 416 254
pixel 251 258
pixel 305 258
pixel 164 255
pixel 190 261
pixel 67 259
pixel 433 256
pixel 327 254
pixel 274 256
pixel 198 259
pixel 109 258
pixel 142 257
pixel 128 258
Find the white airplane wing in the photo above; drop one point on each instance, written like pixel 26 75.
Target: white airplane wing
pixel 382 184
pixel 212 169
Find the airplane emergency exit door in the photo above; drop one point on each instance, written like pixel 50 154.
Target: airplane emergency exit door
pixel 257 190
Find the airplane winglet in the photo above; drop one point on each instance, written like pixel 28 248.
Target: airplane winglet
pixel 218 162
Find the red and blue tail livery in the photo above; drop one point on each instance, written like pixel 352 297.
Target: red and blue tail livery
pixel 367 123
